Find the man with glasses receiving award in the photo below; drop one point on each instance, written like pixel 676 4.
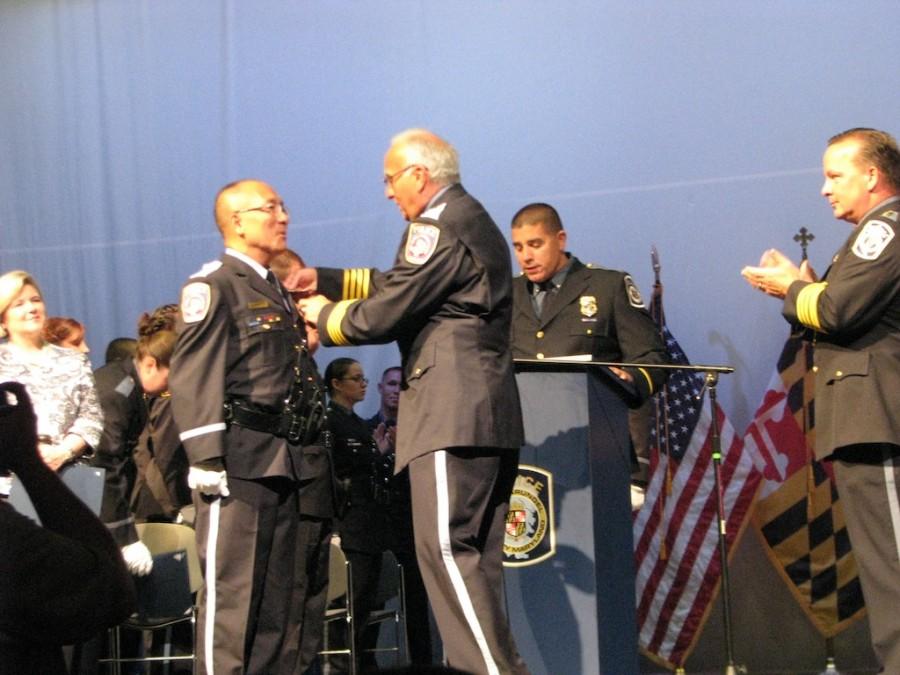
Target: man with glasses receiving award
pixel 246 398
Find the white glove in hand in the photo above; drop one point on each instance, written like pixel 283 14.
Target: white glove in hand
pixel 138 558
pixel 208 482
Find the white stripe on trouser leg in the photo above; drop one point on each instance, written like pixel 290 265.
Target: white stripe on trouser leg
pixel 210 623
pixel 459 585
pixel 893 506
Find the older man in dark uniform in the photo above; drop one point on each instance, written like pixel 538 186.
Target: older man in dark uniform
pixel 246 397
pixel 853 318
pixel 447 302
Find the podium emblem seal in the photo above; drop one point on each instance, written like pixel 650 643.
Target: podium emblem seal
pixel 530 527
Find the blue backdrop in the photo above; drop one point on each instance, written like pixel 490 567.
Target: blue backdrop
pixel 697 126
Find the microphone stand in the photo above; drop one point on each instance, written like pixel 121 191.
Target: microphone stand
pixel 711 381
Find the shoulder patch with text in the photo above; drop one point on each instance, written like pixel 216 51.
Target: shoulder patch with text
pixel 195 299
pixel 634 295
pixel 421 243
pixel 873 239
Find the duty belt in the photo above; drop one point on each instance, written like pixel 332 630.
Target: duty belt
pixel 292 426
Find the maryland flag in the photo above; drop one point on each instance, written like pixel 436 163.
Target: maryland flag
pixel 798 514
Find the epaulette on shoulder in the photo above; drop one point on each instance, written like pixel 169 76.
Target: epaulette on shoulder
pixel 207 269
pixel 434 213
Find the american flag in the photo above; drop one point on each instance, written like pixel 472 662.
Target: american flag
pixel 676 531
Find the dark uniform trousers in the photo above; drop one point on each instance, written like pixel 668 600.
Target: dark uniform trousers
pixel 255 595
pixel 867 478
pixel 460 498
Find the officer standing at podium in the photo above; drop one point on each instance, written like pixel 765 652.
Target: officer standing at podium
pixel 562 307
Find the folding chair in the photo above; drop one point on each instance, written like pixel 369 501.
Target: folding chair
pixel 165 596
pixel 391 597
pixel 340 591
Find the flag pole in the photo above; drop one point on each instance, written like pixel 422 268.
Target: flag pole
pixel 712 378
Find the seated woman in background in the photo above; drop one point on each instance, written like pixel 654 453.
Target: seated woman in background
pixel 161 489
pixel 359 466
pixel 65 332
pixel 59 380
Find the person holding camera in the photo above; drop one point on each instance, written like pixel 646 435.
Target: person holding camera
pixel 63 580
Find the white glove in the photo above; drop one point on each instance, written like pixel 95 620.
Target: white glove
pixel 208 482
pixel 138 558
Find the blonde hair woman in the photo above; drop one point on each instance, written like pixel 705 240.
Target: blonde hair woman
pixel 59 380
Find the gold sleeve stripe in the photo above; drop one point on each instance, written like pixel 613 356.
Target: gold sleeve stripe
pixel 808 305
pixel 647 376
pixel 335 334
pixel 356 283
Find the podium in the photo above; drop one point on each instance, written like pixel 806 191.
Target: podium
pixel 571 596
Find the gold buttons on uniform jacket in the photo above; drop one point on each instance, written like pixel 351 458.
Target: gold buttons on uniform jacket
pixel 839 374
pixel 590 332
pixel 539 334
pixel 418 371
pixel 539 355
pixel 815 369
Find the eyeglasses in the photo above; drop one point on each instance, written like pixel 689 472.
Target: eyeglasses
pixel 357 379
pixel 271 209
pixel 390 178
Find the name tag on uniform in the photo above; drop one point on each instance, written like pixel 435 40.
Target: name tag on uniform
pixel 258 304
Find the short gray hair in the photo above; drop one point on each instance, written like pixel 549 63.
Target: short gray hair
pixel 424 147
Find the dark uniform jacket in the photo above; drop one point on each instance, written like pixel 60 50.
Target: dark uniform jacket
pixel 244 345
pixel 447 302
pixel 853 317
pixel 596 311
pixel 361 522
pixel 161 488
pixel 124 416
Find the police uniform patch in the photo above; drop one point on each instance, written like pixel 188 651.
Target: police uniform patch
pixel 873 239
pixel 421 243
pixel 634 295
pixel 587 304
pixel 195 299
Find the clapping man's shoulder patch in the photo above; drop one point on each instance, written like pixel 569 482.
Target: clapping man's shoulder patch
pixel 421 243
pixel 634 295
pixel 873 239
pixel 195 299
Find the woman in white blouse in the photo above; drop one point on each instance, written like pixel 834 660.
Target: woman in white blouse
pixel 59 380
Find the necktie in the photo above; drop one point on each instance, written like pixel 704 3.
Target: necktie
pixel 270 277
pixel 541 290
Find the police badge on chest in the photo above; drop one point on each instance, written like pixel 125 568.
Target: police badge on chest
pixel 587 305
